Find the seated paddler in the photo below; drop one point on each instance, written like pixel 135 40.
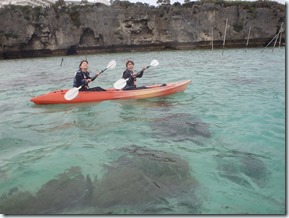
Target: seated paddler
pixel 82 78
pixel 131 75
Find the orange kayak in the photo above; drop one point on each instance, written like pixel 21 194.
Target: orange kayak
pixel 57 97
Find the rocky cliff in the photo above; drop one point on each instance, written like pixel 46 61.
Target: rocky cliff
pixel 123 26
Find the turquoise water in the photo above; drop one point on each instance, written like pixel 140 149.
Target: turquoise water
pixel 217 148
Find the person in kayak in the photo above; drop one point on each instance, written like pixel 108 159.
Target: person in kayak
pixel 82 78
pixel 132 75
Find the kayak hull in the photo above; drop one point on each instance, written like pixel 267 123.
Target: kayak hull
pixel 158 90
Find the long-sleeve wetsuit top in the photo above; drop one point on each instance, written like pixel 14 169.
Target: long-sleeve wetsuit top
pixel 131 82
pixel 80 79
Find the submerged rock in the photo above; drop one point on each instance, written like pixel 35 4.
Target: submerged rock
pixel 145 179
pixel 243 168
pixel 140 181
pixel 182 126
pixel 67 190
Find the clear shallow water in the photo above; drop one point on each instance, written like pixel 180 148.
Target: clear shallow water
pixel 217 148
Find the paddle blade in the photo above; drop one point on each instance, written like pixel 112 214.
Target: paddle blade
pixel 71 93
pixel 154 63
pixel 111 64
pixel 120 84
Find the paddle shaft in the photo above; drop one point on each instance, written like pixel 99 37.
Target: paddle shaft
pixel 93 78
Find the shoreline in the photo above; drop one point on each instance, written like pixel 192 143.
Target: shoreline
pixel 77 50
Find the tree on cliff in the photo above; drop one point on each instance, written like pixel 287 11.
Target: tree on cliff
pixel 60 3
pixel 163 2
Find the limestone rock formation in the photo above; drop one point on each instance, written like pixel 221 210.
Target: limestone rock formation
pixel 123 26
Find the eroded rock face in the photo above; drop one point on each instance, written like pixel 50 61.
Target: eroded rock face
pixel 124 26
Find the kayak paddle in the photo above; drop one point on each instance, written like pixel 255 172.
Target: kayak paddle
pixel 121 83
pixel 73 92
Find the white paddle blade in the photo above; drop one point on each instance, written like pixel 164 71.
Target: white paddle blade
pixel 71 94
pixel 120 84
pixel 154 63
pixel 111 64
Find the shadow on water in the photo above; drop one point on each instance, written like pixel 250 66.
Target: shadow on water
pixel 243 80
pixel 181 126
pixel 143 109
pixel 160 102
pixel 140 181
pixel 52 108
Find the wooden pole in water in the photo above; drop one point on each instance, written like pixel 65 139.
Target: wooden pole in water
pixel 212 38
pixel 225 35
pixel 247 43
pixel 280 38
pixel 61 62
pixel 270 42
pixel 214 21
pixel 281 30
pixel 279 33
pixel 275 37
pixel 275 41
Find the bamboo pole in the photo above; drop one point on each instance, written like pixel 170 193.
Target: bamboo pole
pixel 248 37
pixel 270 42
pixel 212 38
pixel 279 33
pixel 275 37
pixel 281 30
pixel 224 40
pixel 280 38
pixel 275 41
pixel 61 62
